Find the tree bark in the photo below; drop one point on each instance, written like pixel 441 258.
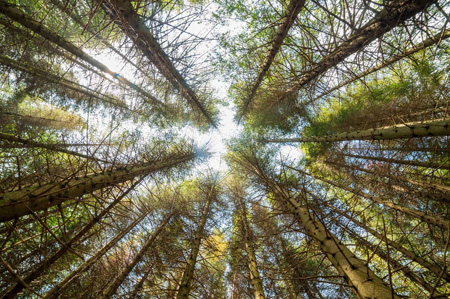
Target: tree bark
pixel 289 17
pixel 188 274
pixel 258 290
pixel 365 282
pixel 408 52
pixel 418 129
pixel 430 219
pixel 20 17
pixel 127 19
pixel 56 290
pixel 393 14
pixel 22 202
pixel 438 271
pixel 111 288
pixel 64 83
pixel 61 6
pixel 32 143
pixel 18 287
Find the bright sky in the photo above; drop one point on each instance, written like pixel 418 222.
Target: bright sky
pixel 228 128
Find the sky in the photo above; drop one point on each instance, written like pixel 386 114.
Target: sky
pixel 214 139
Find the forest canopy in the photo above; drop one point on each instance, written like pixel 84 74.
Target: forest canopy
pixel 224 149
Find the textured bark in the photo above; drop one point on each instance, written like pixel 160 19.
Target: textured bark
pixel 288 19
pixel 391 16
pixel 402 149
pixel 404 162
pixel 408 52
pixel 41 269
pixel 34 198
pixel 123 13
pixel 79 21
pixel 358 274
pixel 59 145
pixel 51 78
pixel 111 288
pixel 418 129
pixel 32 143
pixel 430 219
pixel 20 17
pixel 188 274
pixel 438 271
pixel 57 289
pixel 255 279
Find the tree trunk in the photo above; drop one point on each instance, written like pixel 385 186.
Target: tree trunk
pixel 22 202
pixel 188 274
pixel 32 143
pixel 79 21
pixel 288 19
pixel 128 20
pixel 56 290
pixel 404 162
pixel 51 78
pixel 20 17
pixel 18 287
pixel 358 274
pixel 402 149
pixel 111 288
pixel 396 265
pixel 408 52
pixel 258 290
pixel 393 14
pixel 438 271
pixel 418 129
pixel 430 219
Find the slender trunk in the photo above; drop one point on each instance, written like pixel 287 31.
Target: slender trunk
pixel 188 274
pixel 402 149
pixel 111 288
pixel 418 129
pixel 51 78
pixel 289 17
pixel 41 269
pixel 20 17
pixel 404 162
pixel 438 271
pixel 430 219
pixel 366 283
pixel 57 289
pixel 127 18
pixel 79 21
pixel 393 14
pixel 29 220
pixel 32 143
pixel 55 145
pixel 42 42
pixel 408 52
pixel 140 284
pixel 399 116
pixel 22 202
pixel 251 257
